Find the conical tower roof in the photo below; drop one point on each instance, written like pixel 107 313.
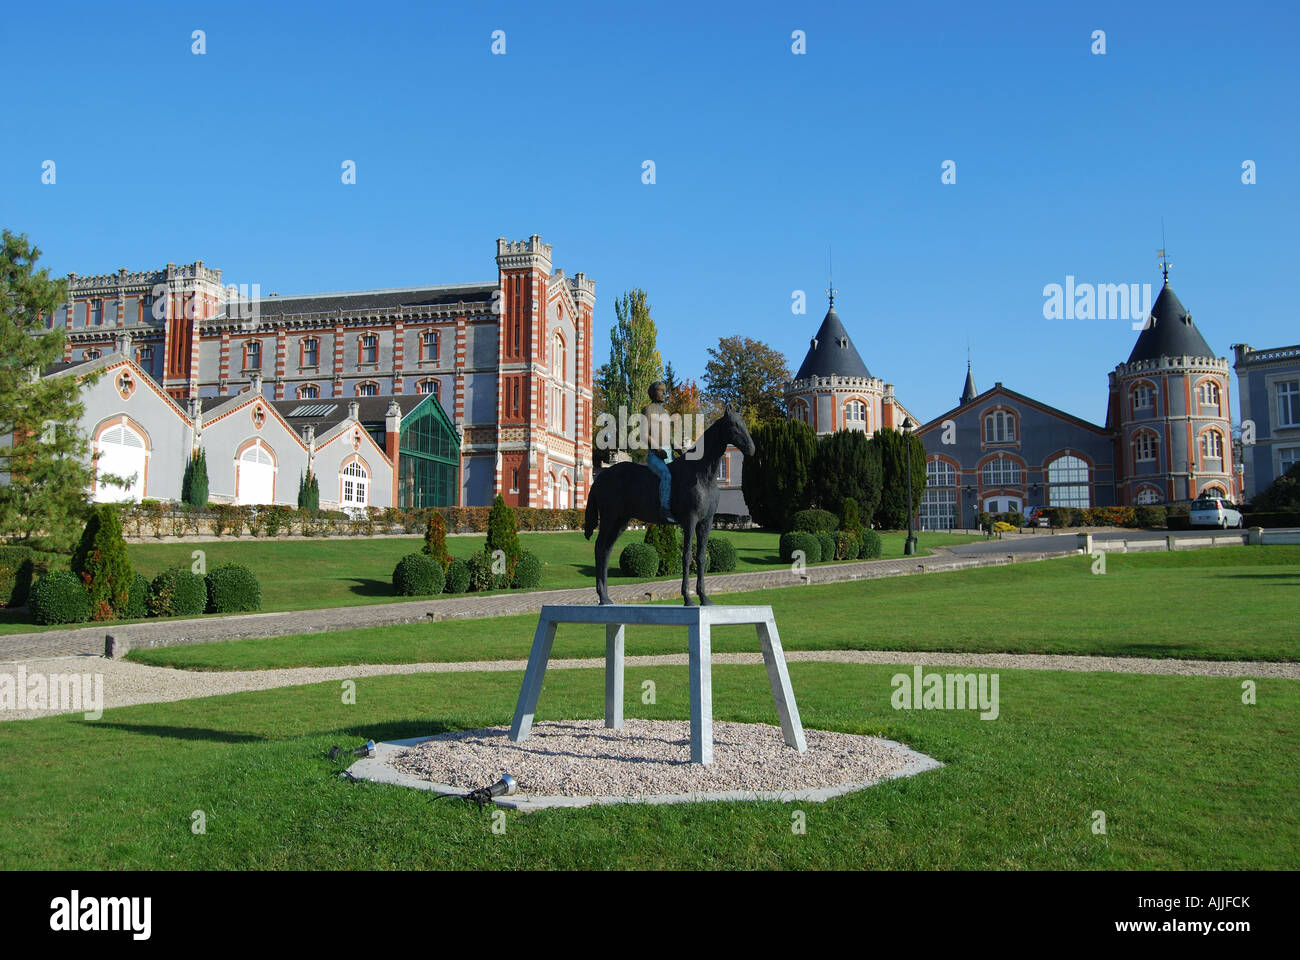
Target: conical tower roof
pixel 968 392
pixel 832 353
pixel 1169 331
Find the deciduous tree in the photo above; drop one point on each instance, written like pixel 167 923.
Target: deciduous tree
pixel 750 377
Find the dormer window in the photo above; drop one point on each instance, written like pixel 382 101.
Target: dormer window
pixel 1000 427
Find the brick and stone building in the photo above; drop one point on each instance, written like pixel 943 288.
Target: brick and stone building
pixel 508 361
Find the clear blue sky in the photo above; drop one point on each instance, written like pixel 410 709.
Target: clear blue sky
pixel 1066 162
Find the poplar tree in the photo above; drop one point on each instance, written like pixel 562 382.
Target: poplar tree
pixel 46 472
pixel 634 360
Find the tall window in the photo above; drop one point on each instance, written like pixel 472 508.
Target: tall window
pixel 1000 427
pixel 311 352
pixel 145 356
pixel 855 415
pixel 369 348
pixel 1002 473
pixel 429 343
pixel 353 479
pixel 939 502
pixel 1145 446
pixel 1143 398
pixel 800 411
pixel 1212 445
pixel 368 389
pixel 558 358
pixel 97 312
pixel 1067 483
pixel 1288 403
pixel 1287 457
pixel 1207 396
pixel 253 355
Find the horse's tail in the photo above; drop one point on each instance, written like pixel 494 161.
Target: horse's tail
pixel 593 515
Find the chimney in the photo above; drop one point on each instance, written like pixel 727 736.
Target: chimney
pixel 354 409
pixel 392 438
pixel 122 343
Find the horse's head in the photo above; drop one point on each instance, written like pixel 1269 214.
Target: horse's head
pixel 737 433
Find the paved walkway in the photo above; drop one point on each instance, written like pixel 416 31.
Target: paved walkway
pixel 126 683
pixel 84 640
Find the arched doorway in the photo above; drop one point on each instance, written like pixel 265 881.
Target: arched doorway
pixel 123 453
pixel 255 476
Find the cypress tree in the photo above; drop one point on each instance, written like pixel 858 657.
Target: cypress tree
pixel 847 466
pixel 894 450
pixel 503 531
pixel 194 485
pixel 777 477
pixel 101 562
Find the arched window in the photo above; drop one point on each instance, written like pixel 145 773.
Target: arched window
pixel 1144 398
pixel 939 502
pixel 1000 427
pixel 559 358
pixel 353 480
pixel 1214 490
pixel 1212 445
pixel 1207 397
pixel 799 411
pixel 1148 494
pixel 368 389
pixel 855 415
pixel 1067 483
pixel 1002 473
pixel 368 348
pixel 1145 446
pixel 91 355
pixel 308 391
pixel 430 385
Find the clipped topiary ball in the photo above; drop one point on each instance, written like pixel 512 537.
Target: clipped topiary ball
pixel 178 592
pixel 814 521
pixel 59 597
pixel 871 546
pixel 481 576
pixel 457 577
pixel 639 560
pixel 417 575
pixel 847 545
pixel 807 542
pixel 528 571
pixel 722 555
pixel 826 541
pixel 232 588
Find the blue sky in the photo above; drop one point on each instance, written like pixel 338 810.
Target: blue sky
pixel 1066 161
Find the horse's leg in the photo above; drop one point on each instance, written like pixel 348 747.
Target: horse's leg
pixel 688 525
pixel 701 557
pixel 609 532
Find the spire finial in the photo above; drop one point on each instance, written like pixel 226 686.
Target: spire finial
pixel 1164 257
pixel 830 273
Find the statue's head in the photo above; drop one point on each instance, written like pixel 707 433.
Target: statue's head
pixel 738 431
pixel 658 391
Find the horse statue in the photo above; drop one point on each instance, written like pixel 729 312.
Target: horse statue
pixel 630 491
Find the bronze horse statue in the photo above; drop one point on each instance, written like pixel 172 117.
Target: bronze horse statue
pixel 630 491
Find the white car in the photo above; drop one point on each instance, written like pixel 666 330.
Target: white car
pixel 1213 512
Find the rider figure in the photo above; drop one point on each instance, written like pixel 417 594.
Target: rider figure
pixel 660 445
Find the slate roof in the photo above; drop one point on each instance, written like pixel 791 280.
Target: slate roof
pixel 325 413
pixel 359 301
pixel 832 353
pixel 1169 331
pixel 968 392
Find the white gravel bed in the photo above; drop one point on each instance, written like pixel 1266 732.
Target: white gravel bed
pixel 581 758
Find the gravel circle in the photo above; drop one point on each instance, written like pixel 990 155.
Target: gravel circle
pixel 582 758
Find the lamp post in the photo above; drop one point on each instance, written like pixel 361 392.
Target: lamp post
pixel 909 546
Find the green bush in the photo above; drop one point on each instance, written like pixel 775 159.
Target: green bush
pixel 418 575
pixel 1149 516
pixel 668 545
pixel 799 540
pixel 847 545
pixel 435 540
pixel 59 597
pixel 1270 520
pixel 457 577
pixel 814 521
pixel 871 547
pixel 722 555
pixel 194 483
pixel 640 560
pixel 232 588
pixel 827 543
pixel 178 592
pixel 137 602
pixel 16 568
pixel 308 493
pixel 528 571
pixel 503 533
pixel 481 576
pixel 101 561
pixel 850 519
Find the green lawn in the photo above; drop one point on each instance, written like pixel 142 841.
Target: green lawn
pixel 1226 603
pixel 1187 776
pixel 346 571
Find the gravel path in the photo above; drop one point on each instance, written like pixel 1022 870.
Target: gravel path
pixel 581 758
pixel 126 683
